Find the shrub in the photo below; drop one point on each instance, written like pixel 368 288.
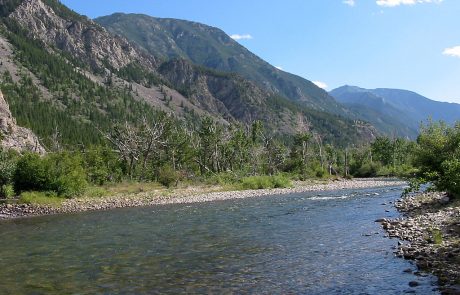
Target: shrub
pixel 368 170
pixel 265 182
pixel 65 174
pixel 101 165
pixel 60 172
pixel 167 176
pixel 7 168
pixel 281 181
pixel 30 174
pixel 437 158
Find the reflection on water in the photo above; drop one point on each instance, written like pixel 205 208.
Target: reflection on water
pixel 307 243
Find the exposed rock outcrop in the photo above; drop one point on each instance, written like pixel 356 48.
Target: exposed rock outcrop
pixel 78 35
pixel 14 137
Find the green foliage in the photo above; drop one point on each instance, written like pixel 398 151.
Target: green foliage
pixel 30 174
pixel 79 107
pixel 65 174
pixel 265 182
pixel 133 72
pixel 7 168
pixel 102 165
pixel 437 157
pixel 168 177
pixel 95 192
pixel 436 235
pixel 368 170
pixel 40 198
pixel 61 173
pixel 6 7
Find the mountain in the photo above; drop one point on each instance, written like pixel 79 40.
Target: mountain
pixel 14 137
pixel 64 75
pixel 394 110
pixel 213 48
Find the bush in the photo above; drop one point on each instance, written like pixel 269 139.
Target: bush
pixel 101 165
pixel 167 176
pixel 30 174
pixel 65 174
pixel 60 172
pixel 368 170
pixel 437 158
pixel 265 182
pixel 7 168
pixel 224 178
pixel 281 181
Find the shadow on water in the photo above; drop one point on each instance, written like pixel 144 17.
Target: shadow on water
pixel 311 243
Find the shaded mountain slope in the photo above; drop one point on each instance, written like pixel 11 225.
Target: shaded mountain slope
pixel 395 111
pixel 211 47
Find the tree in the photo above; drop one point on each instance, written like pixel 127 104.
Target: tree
pixel 7 168
pixel 437 157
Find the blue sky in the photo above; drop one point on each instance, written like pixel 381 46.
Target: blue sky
pixel 407 44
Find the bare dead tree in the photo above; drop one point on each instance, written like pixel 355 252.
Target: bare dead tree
pixel 319 142
pixel 128 143
pixel 152 137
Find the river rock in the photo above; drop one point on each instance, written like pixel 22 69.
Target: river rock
pixel 413 284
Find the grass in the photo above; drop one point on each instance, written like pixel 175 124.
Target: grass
pixel 437 236
pixel 96 192
pixel 41 199
pixel 131 187
pixel 265 182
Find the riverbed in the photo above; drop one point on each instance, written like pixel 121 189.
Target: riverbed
pixel 303 243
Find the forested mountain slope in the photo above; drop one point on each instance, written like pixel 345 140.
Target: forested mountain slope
pixel 395 111
pixel 66 77
pixel 212 48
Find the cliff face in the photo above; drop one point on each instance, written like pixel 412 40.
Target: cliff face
pixel 14 137
pixel 77 35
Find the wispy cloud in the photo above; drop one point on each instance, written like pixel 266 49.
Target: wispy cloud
pixel 393 3
pixel 241 37
pixel 349 2
pixel 320 84
pixel 452 51
pixel 279 68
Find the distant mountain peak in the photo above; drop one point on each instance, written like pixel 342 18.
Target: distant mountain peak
pixel 213 48
pixel 396 108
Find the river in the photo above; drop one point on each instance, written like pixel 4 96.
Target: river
pixel 309 243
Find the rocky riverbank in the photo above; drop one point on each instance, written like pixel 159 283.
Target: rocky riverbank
pixel 192 194
pixel 430 230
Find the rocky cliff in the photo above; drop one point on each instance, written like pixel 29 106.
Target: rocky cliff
pixel 59 27
pixel 14 137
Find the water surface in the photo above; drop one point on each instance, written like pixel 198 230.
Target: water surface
pixel 310 243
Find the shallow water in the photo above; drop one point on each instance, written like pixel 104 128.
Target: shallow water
pixel 310 243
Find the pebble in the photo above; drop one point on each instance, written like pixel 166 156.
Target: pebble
pixel 423 214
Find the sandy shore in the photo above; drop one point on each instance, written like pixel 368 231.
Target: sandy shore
pixel 181 196
pixel 430 230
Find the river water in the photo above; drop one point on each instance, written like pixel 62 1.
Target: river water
pixel 309 243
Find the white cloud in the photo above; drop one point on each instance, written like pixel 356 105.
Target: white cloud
pixel 241 37
pixel 349 2
pixel 279 68
pixel 453 51
pixel 393 3
pixel 320 84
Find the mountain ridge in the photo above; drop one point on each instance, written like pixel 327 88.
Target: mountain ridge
pixel 211 47
pixel 396 107
pixel 72 74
